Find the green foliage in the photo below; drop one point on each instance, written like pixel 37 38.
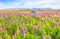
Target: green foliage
pixel 11 26
pixel 18 36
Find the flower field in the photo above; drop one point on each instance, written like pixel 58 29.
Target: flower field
pixel 34 25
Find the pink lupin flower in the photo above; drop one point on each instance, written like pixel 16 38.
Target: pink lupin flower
pixel 26 28
pixel 42 36
pixel 20 22
pixel 43 19
pixel 48 36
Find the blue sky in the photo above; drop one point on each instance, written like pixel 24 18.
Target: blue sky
pixel 54 4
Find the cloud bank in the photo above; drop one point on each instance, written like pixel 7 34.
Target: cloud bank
pixel 54 4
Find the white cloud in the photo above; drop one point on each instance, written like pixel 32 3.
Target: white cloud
pixel 56 7
pixel 39 3
pixel 29 4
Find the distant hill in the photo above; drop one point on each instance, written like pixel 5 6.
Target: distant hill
pixel 27 9
pixel 30 9
pixel 41 9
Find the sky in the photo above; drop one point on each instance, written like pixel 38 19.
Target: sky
pixel 54 4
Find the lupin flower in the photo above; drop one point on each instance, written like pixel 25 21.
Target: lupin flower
pixel 26 28
pixel 19 14
pixel 22 32
pixel 20 23
pixel 48 36
pixel 42 36
pixel 55 24
pixel 42 14
pixel 43 19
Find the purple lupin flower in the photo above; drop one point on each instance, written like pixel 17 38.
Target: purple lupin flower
pixel 42 36
pixel 55 24
pixel 22 32
pixel 48 36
